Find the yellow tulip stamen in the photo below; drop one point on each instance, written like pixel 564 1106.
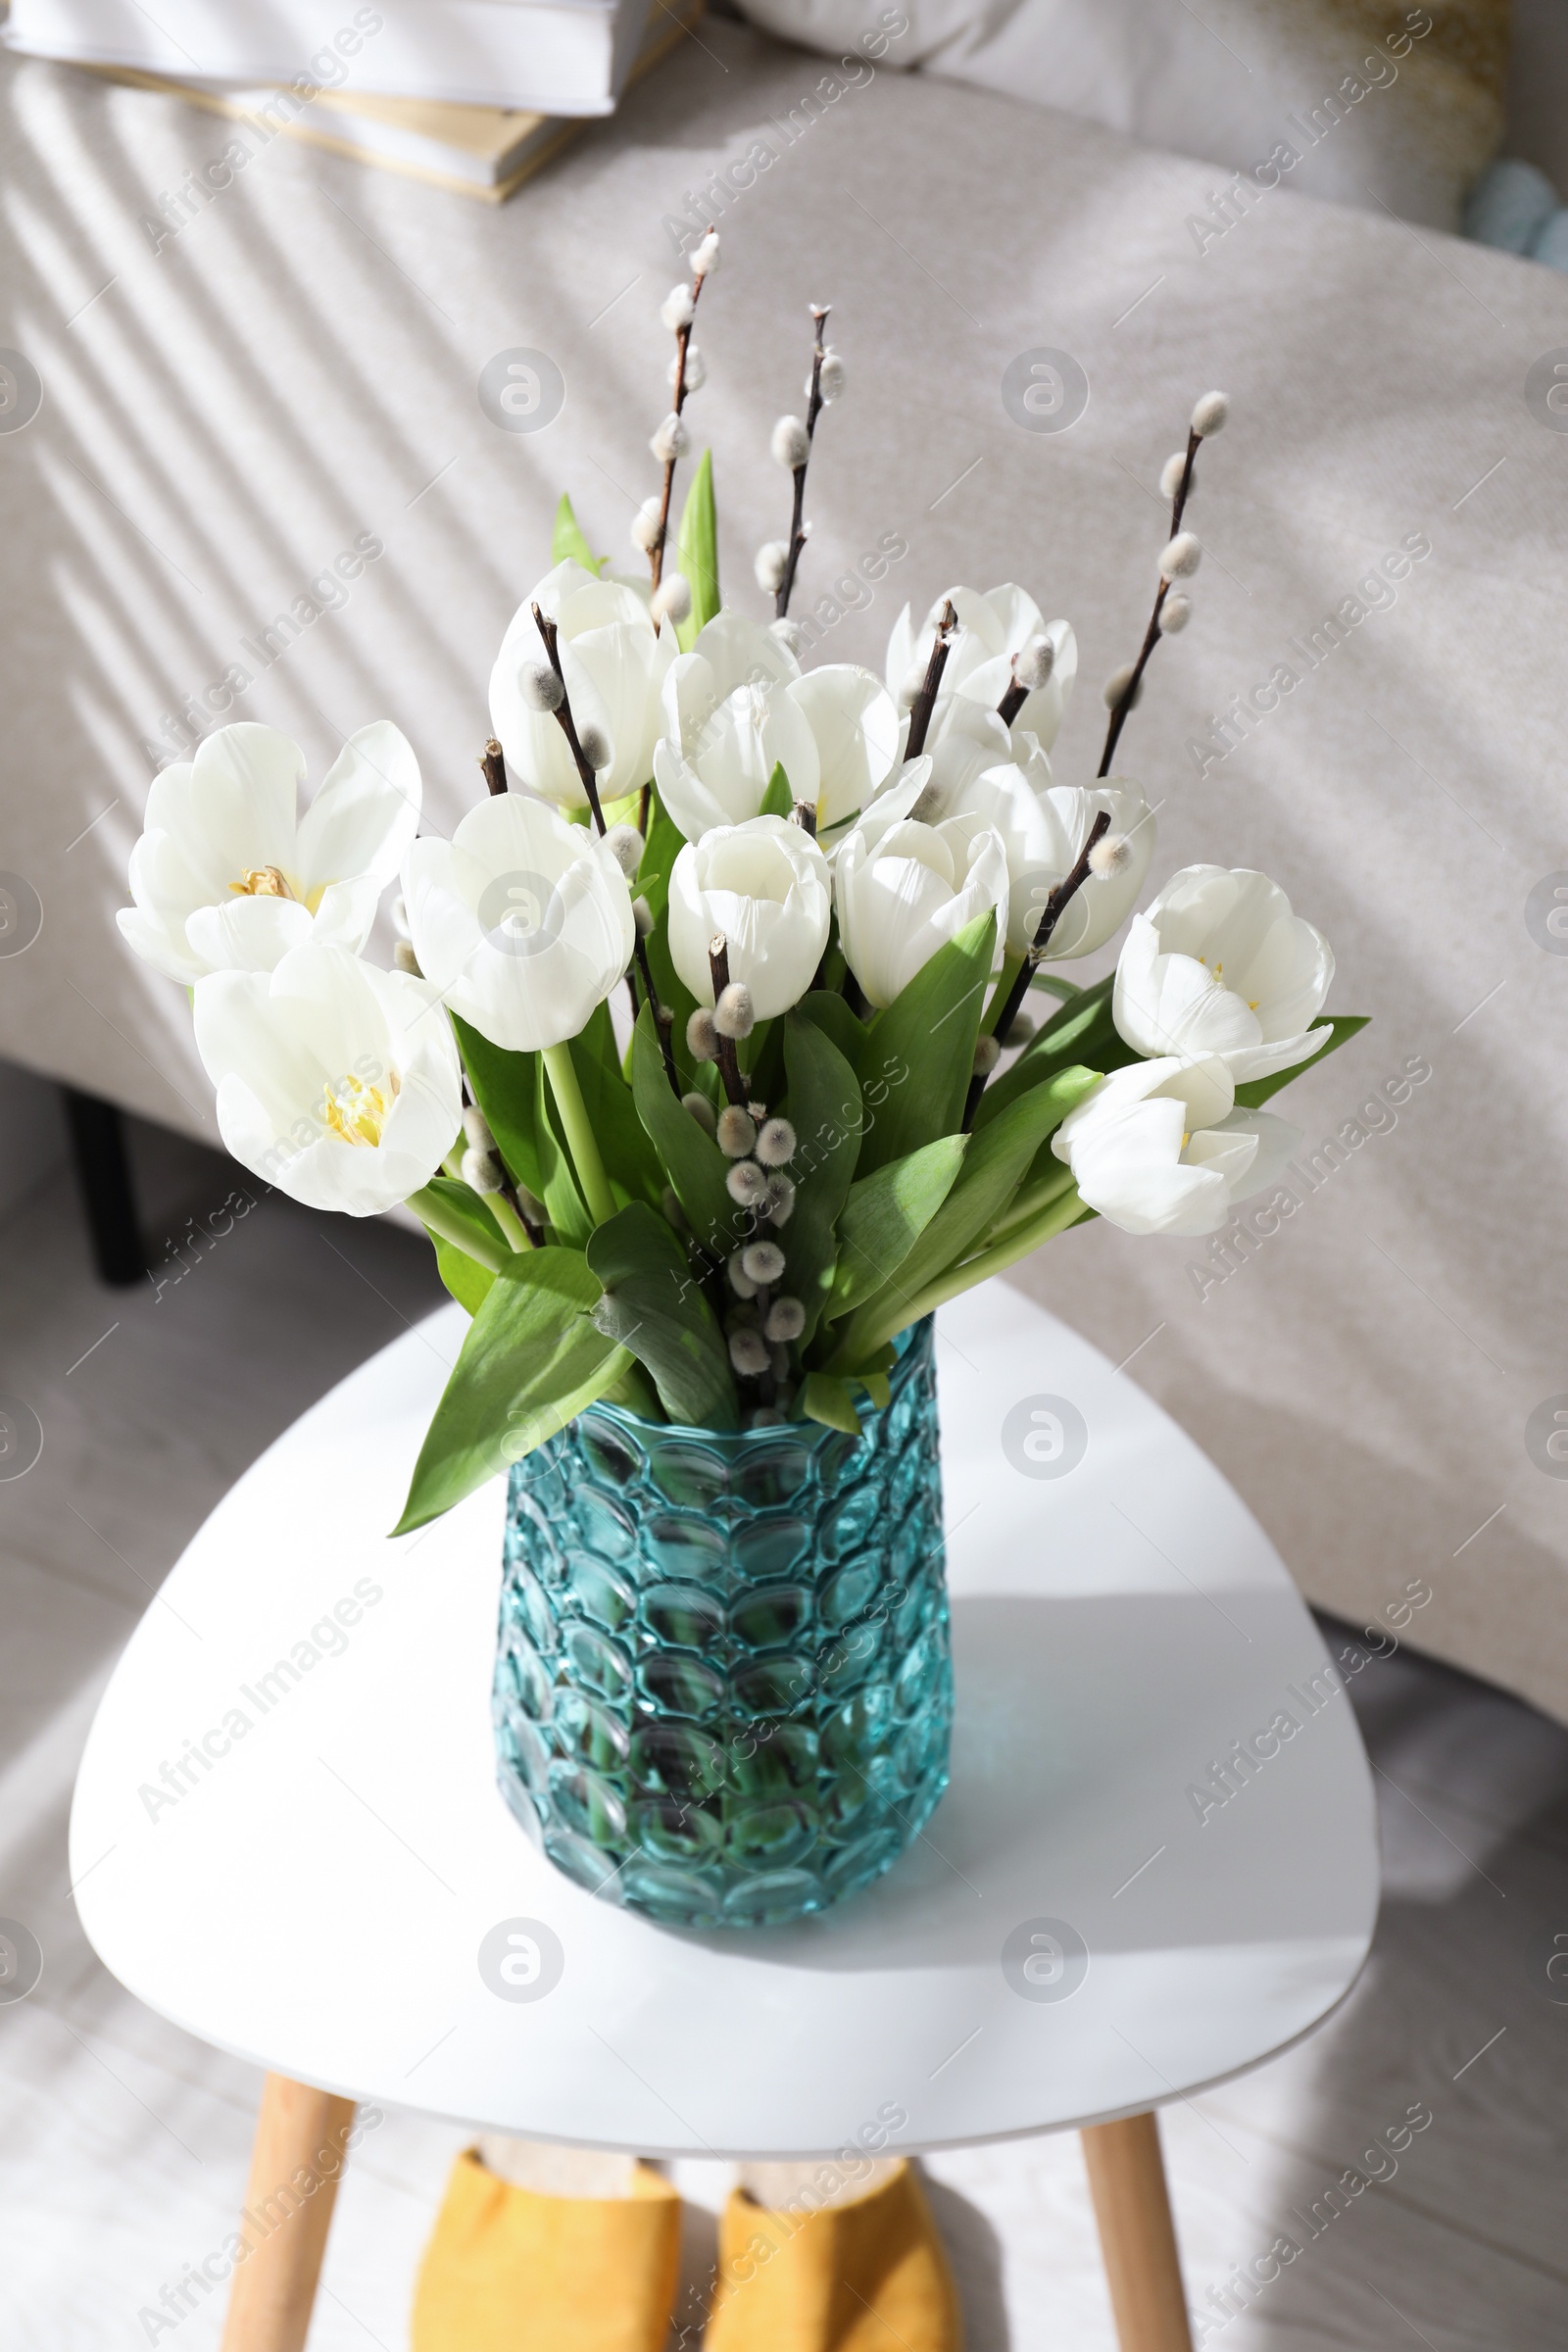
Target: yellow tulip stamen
pixel 262 882
pixel 357 1111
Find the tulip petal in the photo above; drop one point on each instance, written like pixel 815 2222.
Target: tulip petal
pixel 247 935
pixel 244 794
pixel 366 813
pixel 159 945
pixel 856 728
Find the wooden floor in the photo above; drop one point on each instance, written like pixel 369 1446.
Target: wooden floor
pixel 123 2143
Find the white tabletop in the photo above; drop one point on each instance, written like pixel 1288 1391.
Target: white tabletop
pixel 319 1895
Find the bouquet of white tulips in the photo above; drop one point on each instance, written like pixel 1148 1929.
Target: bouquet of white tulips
pixel 707 1062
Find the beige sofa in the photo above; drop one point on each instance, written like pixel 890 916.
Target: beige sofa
pixel 293 376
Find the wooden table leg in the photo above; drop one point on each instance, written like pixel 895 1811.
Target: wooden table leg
pixel 1137 2237
pixel 301 2138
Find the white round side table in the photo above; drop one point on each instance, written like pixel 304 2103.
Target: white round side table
pixel 1155 1865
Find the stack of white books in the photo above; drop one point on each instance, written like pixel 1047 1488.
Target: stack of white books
pixel 544 58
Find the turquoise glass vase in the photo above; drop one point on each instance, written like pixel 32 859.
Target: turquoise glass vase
pixel 723 1686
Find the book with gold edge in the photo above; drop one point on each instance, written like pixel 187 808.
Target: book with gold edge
pixel 482 151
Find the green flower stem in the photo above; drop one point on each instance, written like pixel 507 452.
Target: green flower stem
pixel 1027 1206
pixel 581 1141
pixel 506 1217
pixel 432 1211
pixel 1053 1218
pixel 635 1393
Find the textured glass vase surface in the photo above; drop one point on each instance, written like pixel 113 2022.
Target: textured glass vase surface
pixel 724 1686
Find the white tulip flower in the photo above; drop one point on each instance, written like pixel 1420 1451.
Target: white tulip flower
pixel 1044 834
pixel 1220 965
pixel 1159 1148
pixel 768 887
pixel 992 629
pixel 903 889
pixel 615 663
pixel 737 704
pixel 337 1083
pixel 522 921
pixel 228 877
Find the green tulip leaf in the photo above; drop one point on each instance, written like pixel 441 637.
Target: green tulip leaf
pixel 1081 1032
pixel 825 1399
pixel 918 1058
pixel 630 1162
pixel 1256 1091
pixel 884 1217
pixel 568 544
pixel 777 800
pixel 697 552
pixel 654 1307
pixel 531 1359
pixel 827 1008
pixel 694 1163
pixel 824 1102
pixel 467 1281
pixel 1000 1157
pixel 505 1087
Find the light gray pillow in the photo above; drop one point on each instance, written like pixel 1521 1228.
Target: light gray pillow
pixel 1378 102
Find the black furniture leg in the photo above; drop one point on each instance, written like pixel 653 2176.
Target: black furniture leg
pixel 102 1170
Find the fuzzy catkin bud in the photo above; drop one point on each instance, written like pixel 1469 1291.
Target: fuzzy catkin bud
pixel 776 1144
pixel 405 959
pixel 477 1127
pixel 1174 615
pixel 701 1038
pixel 791 444
pixel 670 441
pixel 483 1172
pixel 704 257
pixel 645 527
pixel 748 1352
pixel 746 1182
pixel 701 1109
pixel 740 1282
pixel 763 1262
pixel 987 1053
pixel 832 377
pixel 676 310
pixel 594 746
pixel 539 686
pixel 790 634
pixel 767 1416
pixel 669 1203
pixel 1170 473
pixel 627 845
pixel 778 1200
pixel 1020 1029
pixel 1182 557
pixel 1115 688
pixel 911 685
pixel 1208 416
pixel 770 566
pixel 642 914
pixel 733 1014
pixel 1110 853
pixel 736 1132
pixel 1032 664
pixel 696 371
pixel 784 1322
pixel 672 600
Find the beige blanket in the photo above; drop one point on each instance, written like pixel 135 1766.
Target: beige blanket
pixel 293 374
